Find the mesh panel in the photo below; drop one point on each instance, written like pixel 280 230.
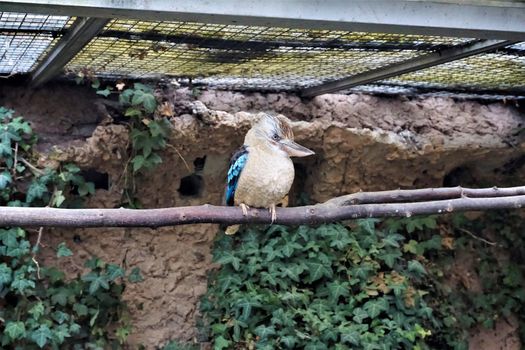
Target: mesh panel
pixel 245 56
pixel 255 57
pixel 502 70
pixel 25 37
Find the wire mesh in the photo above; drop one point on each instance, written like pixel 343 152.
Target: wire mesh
pixel 237 56
pixel 500 70
pixel 254 57
pixel 25 37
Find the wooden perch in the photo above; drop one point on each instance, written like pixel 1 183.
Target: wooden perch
pixel 371 204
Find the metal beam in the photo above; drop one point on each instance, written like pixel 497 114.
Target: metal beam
pixel 494 19
pixel 411 65
pixel 79 34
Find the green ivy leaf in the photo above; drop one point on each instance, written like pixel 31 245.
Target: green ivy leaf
pixel 80 309
pixel 350 336
pixel 159 128
pixel 142 87
pixel 393 239
pixel 289 341
pixel 74 328
pixel 416 267
pixel 264 332
pixel 15 330
pixel 317 270
pixel 133 112
pixel 96 281
pixel 338 289
pixel 149 102
pixel 37 310
pixel 359 315
pixel 138 98
pixel 368 225
pixel 5 275
pixel 135 276
pixel 60 317
pixel 9 237
pixel 390 257
pixel 61 332
pixel 35 191
pixel 63 250
pixel 292 271
pixel 60 296
pixel 5 179
pixel 86 188
pixel 21 284
pixel 376 306
pixel 114 272
pixel 5 149
pixel 58 199
pixel 138 162
pixel 106 92
pixel 125 97
pixel 95 84
pixel 226 258
pixel 41 335
pixel 221 343
pixel 227 280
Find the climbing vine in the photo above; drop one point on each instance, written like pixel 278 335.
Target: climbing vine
pixel 366 285
pixel 149 129
pixel 39 306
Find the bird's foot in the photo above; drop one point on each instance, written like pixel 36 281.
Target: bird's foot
pixel 273 212
pixel 244 209
pixel 285 201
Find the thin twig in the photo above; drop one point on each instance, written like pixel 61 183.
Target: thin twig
pixel 33 168
pixel 39 237
pixel 13 171
pixel 181 157
pixel 8 76
pixel 476 237
pixel 37 247
pixel 425 194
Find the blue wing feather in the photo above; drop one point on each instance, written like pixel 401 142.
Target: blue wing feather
pixel 237 163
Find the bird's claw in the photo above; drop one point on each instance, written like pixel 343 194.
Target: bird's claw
pixel 273 213
pixel 244 209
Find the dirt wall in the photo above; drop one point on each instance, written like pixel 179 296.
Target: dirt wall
pixel 361 142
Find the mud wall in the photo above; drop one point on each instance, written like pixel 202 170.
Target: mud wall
pixel 362 142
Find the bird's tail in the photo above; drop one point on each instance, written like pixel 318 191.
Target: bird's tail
pixel 231 230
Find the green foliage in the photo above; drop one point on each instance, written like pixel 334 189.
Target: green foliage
pixel 316 288
pixel 53 311
pixel 373 285
pixel 148 135
pixel 39 307
pixel 149 132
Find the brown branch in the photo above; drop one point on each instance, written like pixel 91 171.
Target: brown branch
pixel 312 214
pixel 425 194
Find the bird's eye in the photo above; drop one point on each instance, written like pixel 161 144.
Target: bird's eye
pixel 276 137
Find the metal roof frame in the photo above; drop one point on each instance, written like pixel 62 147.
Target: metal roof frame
pixel 484 19
pixel 498 23
pixel 411 65
pixel 80 33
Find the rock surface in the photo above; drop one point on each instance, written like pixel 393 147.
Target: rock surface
pixel 361 142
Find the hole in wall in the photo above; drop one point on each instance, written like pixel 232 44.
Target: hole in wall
pixel 193 184
pixel 100 180
pixel 459 176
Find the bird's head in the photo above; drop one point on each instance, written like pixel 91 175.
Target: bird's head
pixel 275 133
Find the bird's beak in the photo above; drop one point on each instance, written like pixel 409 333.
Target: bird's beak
pixel 295 149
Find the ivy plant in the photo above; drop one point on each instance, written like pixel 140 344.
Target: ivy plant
pixel 148 135
pixel 316 288
pixel 39 306
pixel 369 284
